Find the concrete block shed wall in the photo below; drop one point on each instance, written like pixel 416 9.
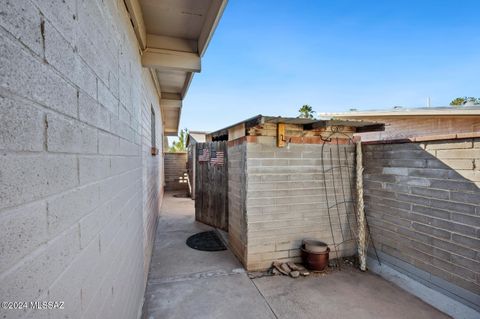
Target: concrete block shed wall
pixel 237 226
pixel 423 204
pixel 79 190
pixel 175 169
pixel 285 199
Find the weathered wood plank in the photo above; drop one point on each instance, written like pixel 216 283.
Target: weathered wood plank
pixel 211 185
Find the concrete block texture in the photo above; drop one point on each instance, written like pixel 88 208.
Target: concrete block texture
pixel 23 229
pixel 66 209
pixel 29 77
pixel 59 53
pixel 93 168
pixel 23 20
pixel 429 219
pixel 79 189
pixel 31 177
pixel 290 195
pixel 70 136
pixel 31 278
pixel 92 112
pixel 62 15
pixel 175 171
pixel 21 125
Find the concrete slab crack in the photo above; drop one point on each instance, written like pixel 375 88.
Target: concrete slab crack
pixel 266 301
pixel 198 275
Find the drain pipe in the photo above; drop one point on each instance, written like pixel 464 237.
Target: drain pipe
pixel 362 253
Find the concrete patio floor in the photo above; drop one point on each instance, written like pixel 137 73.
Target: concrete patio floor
pixel 186 283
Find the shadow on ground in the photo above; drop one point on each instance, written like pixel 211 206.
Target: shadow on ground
pixel 186 283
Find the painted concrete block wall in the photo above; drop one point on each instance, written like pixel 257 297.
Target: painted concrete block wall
pixel 237 226
pixel 175 170
pixel 286 200
pixel 79 190
pixel 152 166
pixel 423 205
pixel 397 127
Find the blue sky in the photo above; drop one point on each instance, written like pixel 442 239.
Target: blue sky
pixel 271 57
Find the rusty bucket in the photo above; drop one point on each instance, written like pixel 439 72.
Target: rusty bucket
pixel 315 261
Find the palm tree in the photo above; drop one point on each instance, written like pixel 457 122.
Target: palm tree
pixel 181 144
pixel 306 112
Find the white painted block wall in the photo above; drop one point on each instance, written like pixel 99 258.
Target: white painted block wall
pixel 79 190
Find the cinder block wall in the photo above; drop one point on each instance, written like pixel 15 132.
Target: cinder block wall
pixel 175 170
pixel 79 190
pixel 237 226
pixel 286 200
pixel 397 127
pixel 423 205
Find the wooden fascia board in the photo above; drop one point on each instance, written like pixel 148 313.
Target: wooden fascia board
pixel 212 19
pixel 169 105
pixel 186 85
pixel 171 43
pixel 135 11
pixel 162 59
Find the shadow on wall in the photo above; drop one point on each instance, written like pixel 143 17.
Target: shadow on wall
pixel 422 201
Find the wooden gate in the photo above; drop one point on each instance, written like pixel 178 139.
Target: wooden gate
pixel 211 184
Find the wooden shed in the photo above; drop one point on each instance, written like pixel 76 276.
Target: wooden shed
pixel 285 179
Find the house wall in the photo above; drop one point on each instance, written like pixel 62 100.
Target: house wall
pixel 422 201
pixel 398 127
pixel 79 190
pixel 286 200
pixel 175 169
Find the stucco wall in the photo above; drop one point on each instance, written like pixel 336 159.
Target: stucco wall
pixel 79 190
pixel 423 204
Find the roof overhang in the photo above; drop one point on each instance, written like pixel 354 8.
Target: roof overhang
pixel 173 36
pixel 308 124
pixel 408 112
pixel 196 137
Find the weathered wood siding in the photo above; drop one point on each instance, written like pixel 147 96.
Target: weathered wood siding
pixel 237 194
pixel 211 189
pixel 191 169
pixel 176 171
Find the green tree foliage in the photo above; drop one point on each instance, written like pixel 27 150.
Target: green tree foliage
pixel 465 99
pixel 181 144
pixel 306 112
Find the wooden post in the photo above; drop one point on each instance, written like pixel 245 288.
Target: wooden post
pixel 281 139
pixel 362 253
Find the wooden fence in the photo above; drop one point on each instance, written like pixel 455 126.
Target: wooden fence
pixel 211 184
